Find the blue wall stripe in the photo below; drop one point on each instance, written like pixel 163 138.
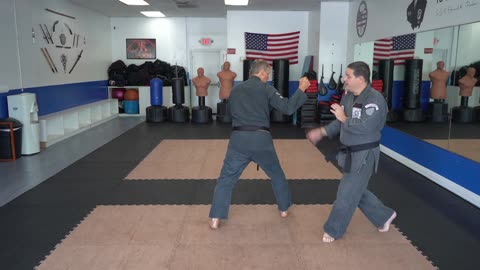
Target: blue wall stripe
pixel 56 98
pixel 462 171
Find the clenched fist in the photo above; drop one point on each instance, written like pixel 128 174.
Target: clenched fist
pixel 303 84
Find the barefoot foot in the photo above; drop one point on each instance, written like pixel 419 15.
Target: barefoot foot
pixel 327 238
pixel 214 223
pixel 386 226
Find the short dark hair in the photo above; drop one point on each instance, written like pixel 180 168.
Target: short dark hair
pixel 360 69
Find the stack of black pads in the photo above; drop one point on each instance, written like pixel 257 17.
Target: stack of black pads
pixel 121 75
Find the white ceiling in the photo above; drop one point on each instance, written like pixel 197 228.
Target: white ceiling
pixel 195 8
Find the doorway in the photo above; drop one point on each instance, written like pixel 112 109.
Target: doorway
pixel 211 62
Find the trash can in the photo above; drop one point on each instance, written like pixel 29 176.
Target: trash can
pixel 10 139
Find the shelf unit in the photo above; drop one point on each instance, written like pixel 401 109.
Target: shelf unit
pixel 144 98
pixel 60 125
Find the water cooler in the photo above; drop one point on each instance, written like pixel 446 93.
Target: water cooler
pixel 23 107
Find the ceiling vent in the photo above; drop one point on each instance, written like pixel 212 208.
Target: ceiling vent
pixel 185 3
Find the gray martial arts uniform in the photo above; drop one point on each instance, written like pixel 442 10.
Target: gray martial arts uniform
pixel 366 115
pixel 250 104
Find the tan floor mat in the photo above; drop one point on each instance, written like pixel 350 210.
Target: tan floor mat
pixel 469 148
pixel 203 159
pixel 255 237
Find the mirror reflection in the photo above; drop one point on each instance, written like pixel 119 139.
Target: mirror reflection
pixel 431 83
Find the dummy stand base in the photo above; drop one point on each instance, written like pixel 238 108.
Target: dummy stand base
pixel 178 114
pixel 462 114
pixel 201 114
pixel 476 113
pixel 156 114
pixel 413 115
pixel 222 115
pixel 437 112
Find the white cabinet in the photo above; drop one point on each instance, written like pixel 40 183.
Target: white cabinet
pixel 60 125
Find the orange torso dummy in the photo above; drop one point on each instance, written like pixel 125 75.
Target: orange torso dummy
pixel 226 80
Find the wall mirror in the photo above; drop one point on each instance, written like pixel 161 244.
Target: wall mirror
pixel 453 123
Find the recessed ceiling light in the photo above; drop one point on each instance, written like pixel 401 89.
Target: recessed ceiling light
pixel 236 2
pixel 156 14
pixel 134 2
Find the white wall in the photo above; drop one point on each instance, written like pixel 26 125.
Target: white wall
pixel 176 38
pixel 170 35
pixel 333 37
pixel 96 56
pixel 9 76
pixel 266 22
pixel 364 52
pixel 314 36
pixel 214 28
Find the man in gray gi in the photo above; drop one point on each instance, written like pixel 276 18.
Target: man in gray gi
pixel 250 104
pixel 360 118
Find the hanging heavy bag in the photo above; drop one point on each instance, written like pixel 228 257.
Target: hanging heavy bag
pixel 322 90
pixel 332 84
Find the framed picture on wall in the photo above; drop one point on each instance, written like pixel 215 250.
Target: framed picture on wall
pixel 141 48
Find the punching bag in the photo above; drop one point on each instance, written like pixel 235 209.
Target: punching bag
pixel 178 93
pixel 413 83
pixel 247 63
pixel 413 86
pixel 385 72
pixel 280 76
pixel 178 113
pixel 156 113
pixel 156 92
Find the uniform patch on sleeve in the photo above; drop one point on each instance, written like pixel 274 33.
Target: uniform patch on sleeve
pixel 371 108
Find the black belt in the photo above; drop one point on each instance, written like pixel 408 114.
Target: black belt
pixel 251 128
pixel 348 150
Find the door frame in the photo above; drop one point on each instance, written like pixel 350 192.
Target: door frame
pixel 215 81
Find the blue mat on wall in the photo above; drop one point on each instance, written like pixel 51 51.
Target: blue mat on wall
pixel 54 98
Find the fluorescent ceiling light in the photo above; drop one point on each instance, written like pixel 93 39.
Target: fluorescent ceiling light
pixel 156 14
pixel 236 2
pixel 134 2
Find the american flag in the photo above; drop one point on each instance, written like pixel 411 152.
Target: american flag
pixel 272 46
pixel 397 48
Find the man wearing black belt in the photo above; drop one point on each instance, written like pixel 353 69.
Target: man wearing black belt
pixel 360 118
pixel 250 104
